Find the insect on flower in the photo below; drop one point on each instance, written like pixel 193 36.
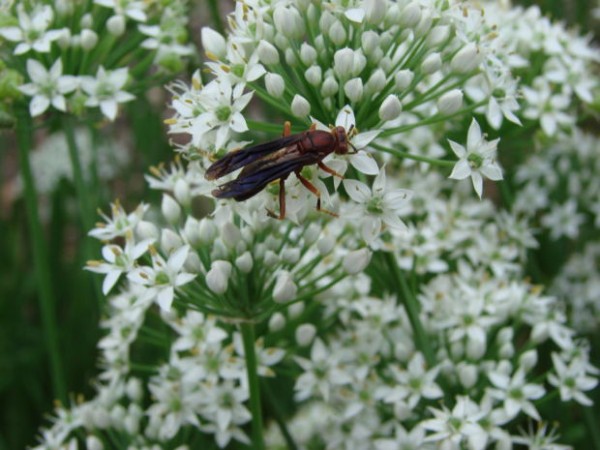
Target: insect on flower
pixel 275 160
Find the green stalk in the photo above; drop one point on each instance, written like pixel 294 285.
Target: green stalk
pixel 247 329
pixel 402 154
pixel 412 310
pixel 41 262
pixel 591 422
pixel 83 198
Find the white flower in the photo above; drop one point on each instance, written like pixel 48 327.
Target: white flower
pixel 164 276
pixel 47 87
pixel 134 9
pixel 104 90
pixel 515 393
pixel 32 32
pixel 459 426
pixel 118 260
pixel 478 158
pixel 563 220
pixel 572 380
pixel 376 206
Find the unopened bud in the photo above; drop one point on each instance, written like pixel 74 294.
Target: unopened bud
pixel 308 54
pixel 170 209
pixel 369 41
pixel 276 322
pixel 296 310
pixel 528 360
pixel 288 22
pixel 410 15
pixel 93 443
pixel 218 276
pixel 467 374
pixel 305 334
pixel 274 84
pixel 403 79
pixel 325 245
pixel 343 61
pixel 329 87
pixel 313 75
pixel 290 255
pixel 230 234
pixel 116 25
pixel 450 102
pixel 244 262
pixel 337 33
pixel 432 63
pixel 285 289
pixel 191 231
pixel 390 108
pixel 86 21
pixel 170 241
pixel 376 82
pixel 89 39
pixel 146 230
pixel 356 261
pixel 267 53
pixel 354 89
pixel 374 11
pixel 182 193
pixel 300 106
pixel 466 59
pixel 208 231
pixel 438 35
pixel 214 43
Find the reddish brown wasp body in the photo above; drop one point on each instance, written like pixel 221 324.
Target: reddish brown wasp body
pixel 275 160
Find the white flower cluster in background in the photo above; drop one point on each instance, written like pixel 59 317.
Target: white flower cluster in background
pixel 49 161
pixel 96 52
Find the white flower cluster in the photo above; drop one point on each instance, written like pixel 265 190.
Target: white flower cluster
pixel 91 70
pixel 558 67
pixel 49 167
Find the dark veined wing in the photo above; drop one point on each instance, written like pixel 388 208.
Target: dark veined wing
pixel 254 178
pixel 240 158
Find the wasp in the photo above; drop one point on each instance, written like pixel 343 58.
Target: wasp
pixel 276 160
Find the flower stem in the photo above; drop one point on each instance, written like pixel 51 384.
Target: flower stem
pixel 412 310
pixel 83 197
pixel 401 154
pixel 247 329
pixel 40 255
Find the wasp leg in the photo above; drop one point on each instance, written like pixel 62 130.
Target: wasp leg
pixel 312 188
pixel 281 202
pixel 329 170
pixel 313 126
pixel 287 128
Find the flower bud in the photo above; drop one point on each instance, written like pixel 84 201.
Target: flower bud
pixel 376 83
pixel 270 258
pixel 326 21
pixel 450 102
pixel 267 53
pixel 325 245
pixel 506 350
pixel 528 360
pixel 134 390
pixel 476 346
pixel 369 42
pixel 410 15
pixel 290 255
pixel 467 374
pixel 244 262
pixel 337 33
pixel 343 61
pixel 214 44
pixel 354 89
pixel 296 310
pixel 146 230
pixel 230 235
pixel 466 59
pixel 308 54
pixel 311 234
pixel 329 87
pixel 359 63
pixel 191 231
pixel 288 22
pixel 182 193
pixel 403 79
pixel 274 84
pixel 356 261
pixel 170 209
pixel 86 21
pixel 374 11
pixel 276 322
pixel 438 35
pixel 432 63
pixel 390 108
pixel 217 277
pixel 93 443
pixel 208 231
pixel 170 241
pixel 305 334
pixel 300 106
pixel 285 289
pixel 313 75
pixel 89 39
pixel 193 264
pixel 116 25
pixel 424 24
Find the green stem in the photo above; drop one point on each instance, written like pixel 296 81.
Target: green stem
pixel 213 6
pixel 412 310
pixel 401 154
pixel 40 256
pixel 247 329
pixel 591 422
pixel 278 415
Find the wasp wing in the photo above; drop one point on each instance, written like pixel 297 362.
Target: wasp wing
pixel 240 158
pixel 257 175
